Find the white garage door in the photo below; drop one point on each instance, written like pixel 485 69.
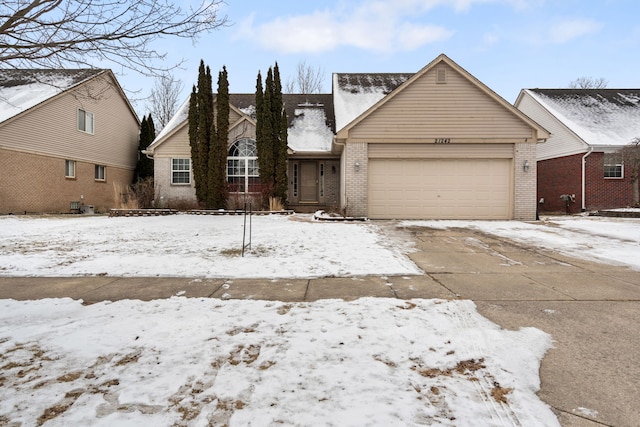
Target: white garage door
pixel 440 188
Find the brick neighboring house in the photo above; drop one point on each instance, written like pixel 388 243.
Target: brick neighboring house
pixel 65 136
pixel 588 127
pixel 436 144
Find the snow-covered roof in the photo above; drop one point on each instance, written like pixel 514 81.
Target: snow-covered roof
pixel 309 131
pixel 181 115
pixel 353 94
pixel 600 117
pixel 21 89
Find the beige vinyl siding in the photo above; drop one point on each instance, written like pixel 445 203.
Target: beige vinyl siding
pixel 51 128
pixel 177 145
pixel 441 151
pixel 562 142
pixel 457 109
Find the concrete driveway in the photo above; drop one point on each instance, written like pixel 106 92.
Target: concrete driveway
pixel 590 378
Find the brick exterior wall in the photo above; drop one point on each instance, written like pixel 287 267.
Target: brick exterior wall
pixel 47 190
pixel 563 175
pixel 524 203
pixel 356 191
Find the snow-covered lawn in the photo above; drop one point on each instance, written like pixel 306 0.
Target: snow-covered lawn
pixel 197 362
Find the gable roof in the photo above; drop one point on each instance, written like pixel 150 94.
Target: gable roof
pixel 600 117
pixel 542 133
pixel 355 93
pixel 22 89
pixel 311 119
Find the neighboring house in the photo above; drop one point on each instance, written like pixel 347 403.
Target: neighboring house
pixel 437 144
pixel 588 127
pixel 68 138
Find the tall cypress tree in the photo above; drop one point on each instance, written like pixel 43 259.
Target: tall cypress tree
pixel 204 118
pixel 193 137
pixel 280 125
pixel 260 138
pixel 144 165
pixel 217 197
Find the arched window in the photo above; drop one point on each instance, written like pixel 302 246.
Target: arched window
pixel 242 166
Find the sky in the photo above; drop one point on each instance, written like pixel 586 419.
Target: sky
pixel 506 44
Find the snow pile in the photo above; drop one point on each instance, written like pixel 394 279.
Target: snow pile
pixel 181 115
pixel 198 246
pixel 594 119
pixel 309 130
pixel 200 362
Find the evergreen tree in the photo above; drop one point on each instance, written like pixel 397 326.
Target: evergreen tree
pixel 280 125
pixel 261 144
pixel 193 135
pixel 144 166
pixel 205 123
pixel 217 183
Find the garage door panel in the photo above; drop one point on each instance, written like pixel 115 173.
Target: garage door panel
pixel 440 188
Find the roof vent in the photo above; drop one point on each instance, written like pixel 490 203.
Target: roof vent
pixel 441 75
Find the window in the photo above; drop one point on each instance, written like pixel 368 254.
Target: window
pixel 613 166
pixel 181 171
pixel 242 166
pixel 321 179
pixel 295 180
pixel 85 121
pixel 99 173
pixel 69 168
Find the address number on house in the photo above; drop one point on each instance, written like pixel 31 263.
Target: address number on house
pixel 443 141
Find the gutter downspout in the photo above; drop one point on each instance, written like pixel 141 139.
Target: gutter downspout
pixel 584 162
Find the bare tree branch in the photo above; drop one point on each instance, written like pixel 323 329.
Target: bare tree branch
pixel 163 101
pixel 588 83
pixel 60 33
pixel 306 80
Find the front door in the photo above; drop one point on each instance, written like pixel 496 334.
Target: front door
pixel 308 182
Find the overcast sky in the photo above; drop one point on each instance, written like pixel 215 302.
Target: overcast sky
pixel 506 44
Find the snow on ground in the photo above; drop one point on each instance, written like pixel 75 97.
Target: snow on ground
pixel 200 362
pixel 613 241
pixel 197 246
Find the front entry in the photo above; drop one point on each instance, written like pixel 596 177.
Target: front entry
pixel 308 182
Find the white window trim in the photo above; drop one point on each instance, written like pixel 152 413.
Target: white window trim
pixel 615 165
pixel 104 173
pixel 66 168
pixel 189 171
pixel 86 114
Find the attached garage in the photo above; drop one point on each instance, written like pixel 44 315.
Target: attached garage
pixel 437 182
pixel 441 145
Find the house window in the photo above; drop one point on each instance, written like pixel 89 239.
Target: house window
pixel 321 179
pixel 613 166
pixel 295 180
pixel 243 173
pixel 69 168
pixel 180 171
pixel 85 121
pixel 99 174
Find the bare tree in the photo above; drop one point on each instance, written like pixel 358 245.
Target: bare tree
pixel 163 100
pixel 59 33
pixel 631 159
pixel 588 83
pixel 306 79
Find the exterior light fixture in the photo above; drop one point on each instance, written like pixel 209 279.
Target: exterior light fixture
pixel 357 166
pixel 525 166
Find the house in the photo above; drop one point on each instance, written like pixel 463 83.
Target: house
pixel 440 145
pixel 436 144
pixel 579 160
pixel 313 168
pixel 67 139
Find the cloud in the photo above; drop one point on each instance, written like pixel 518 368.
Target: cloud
pixel 570 29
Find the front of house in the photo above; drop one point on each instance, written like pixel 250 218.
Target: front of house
pixel 580 160
pixel 437 144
